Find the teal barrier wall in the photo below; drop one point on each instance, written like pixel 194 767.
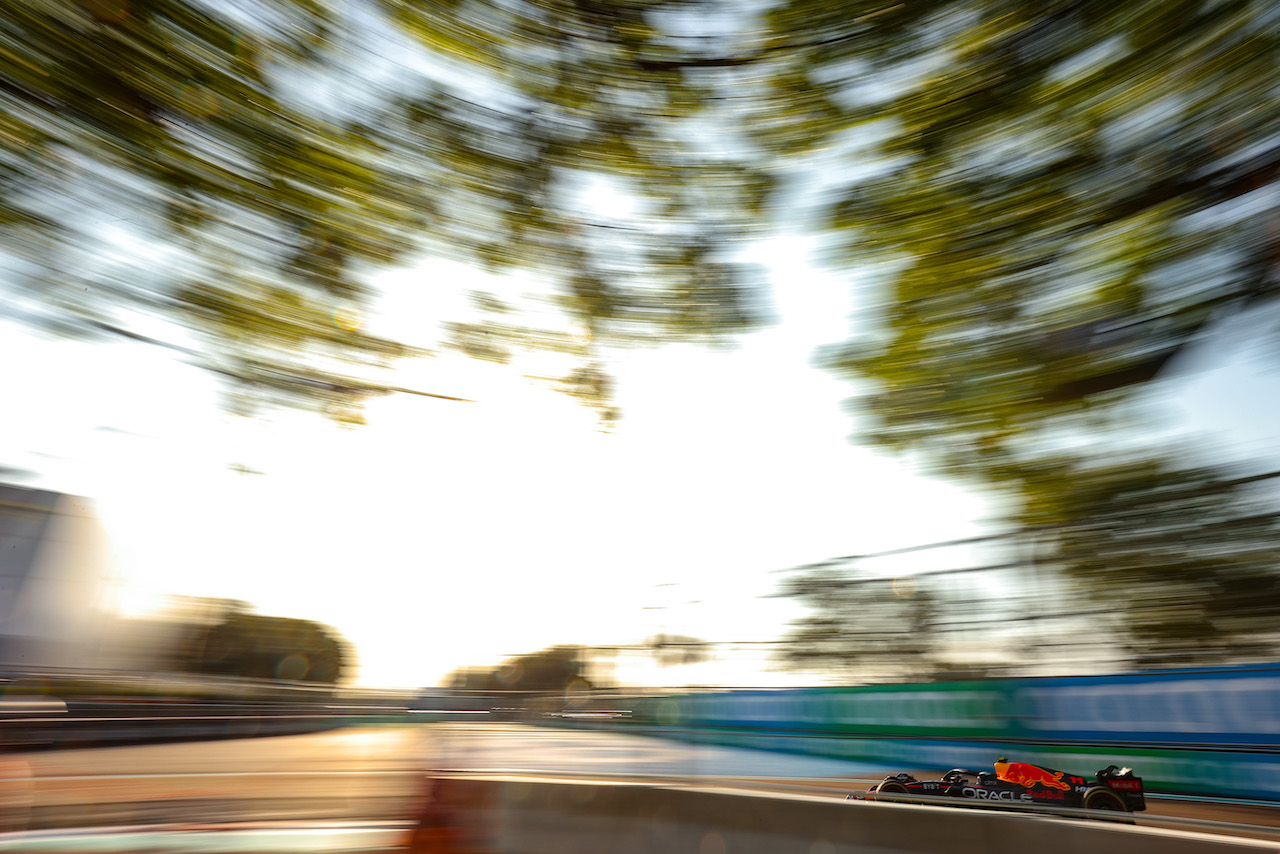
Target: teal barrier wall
pixel 1237 707
pixel 1206 731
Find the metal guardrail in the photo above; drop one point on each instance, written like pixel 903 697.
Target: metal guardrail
pixel 62 731
pixel 36 733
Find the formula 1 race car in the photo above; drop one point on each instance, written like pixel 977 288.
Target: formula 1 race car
pixel 1112 788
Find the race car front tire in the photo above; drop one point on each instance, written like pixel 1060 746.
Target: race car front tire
pixel 891 787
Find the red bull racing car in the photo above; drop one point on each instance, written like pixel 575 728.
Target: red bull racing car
pixel 1112 788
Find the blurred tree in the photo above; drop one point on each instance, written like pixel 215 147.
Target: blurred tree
pixel 1068 195
pixel 240 643
pixel 1057 238
pixel 134 128
pixel 237 170
pixel 1123 558
pixel 678 650
pixel 554 670
pixel 1180 565
pixel 862 627
pixel 1062 196
pixel 1054 202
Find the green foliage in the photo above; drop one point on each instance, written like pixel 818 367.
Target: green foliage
pixel 678 650
pixel 254 646
pixel 1065 197
pixel 164 122
pixel 1181 561
pixel 862 627
pixel 1060 193
pixel 238 170
pixel 554 670
pixel 1057 197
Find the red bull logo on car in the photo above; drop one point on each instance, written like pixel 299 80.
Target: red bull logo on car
pixel 1026 774
pixel 1046 795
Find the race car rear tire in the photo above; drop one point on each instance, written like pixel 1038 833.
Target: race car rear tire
pixel 1103 799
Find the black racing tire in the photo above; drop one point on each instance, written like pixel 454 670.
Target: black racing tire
pixel 1103 799
pixel 891 787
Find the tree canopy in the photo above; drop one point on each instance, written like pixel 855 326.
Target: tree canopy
pixel 1122 560
pixel 1063 195
pixel 1177 563
pixel 237 171
pixel 1053 202
pixel 554 670
pixel 1070 195
pixel 676 650
pixel 863 627
pixel 226 638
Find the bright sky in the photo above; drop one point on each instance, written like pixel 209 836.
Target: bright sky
pixel 448 534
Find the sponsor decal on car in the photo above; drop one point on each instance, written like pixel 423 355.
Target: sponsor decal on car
pixel 1026 774
pixel 1047 794
pixel 993 794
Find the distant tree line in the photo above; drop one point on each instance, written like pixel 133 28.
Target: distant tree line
pixel 556 669
pixel 225 638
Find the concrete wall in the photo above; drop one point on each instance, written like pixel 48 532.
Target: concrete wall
pixel 529 816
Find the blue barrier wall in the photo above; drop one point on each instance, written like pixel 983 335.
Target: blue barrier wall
pixel 1220 706
pixel 1213 730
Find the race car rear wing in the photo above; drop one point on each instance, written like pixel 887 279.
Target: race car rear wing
pixel 1123 782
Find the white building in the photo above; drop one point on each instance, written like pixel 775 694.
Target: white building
pixel 54 581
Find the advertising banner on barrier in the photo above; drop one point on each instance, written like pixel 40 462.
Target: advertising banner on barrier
pixel 1214 730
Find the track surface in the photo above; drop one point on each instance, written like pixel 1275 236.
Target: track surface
pixel 373 774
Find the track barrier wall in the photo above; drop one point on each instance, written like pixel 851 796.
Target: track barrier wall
pixel 496 815
pixel 1212 731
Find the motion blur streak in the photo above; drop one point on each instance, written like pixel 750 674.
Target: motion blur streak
pixel 1050 211
pixel 1052 225
pixel 369 775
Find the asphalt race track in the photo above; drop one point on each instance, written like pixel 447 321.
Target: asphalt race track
pixel 373 775
pixel 355 774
